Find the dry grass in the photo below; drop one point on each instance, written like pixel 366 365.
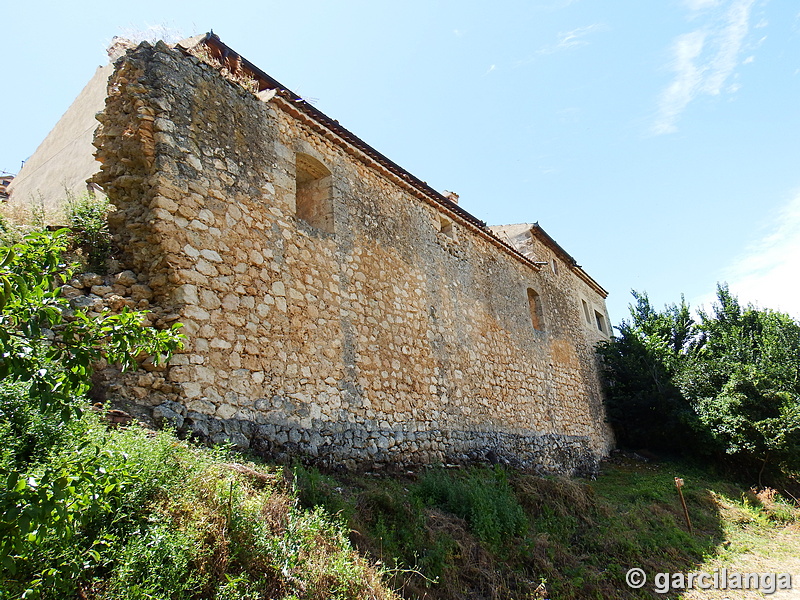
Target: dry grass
pixel 581 536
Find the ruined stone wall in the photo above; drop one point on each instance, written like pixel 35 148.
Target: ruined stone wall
pixel 385 340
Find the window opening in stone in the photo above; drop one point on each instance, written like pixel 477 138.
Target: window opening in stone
pixel 601 322
pixel 446 227
pixel 535 303
pixel 314 198
pixel 554 264
pixel 586 311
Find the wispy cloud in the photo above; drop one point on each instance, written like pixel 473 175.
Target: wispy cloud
pixel 701 4
pixel 704 59
pixel 572 39
pixel 766 272
pixel 688 81
pixel 567 40
pixel 730 39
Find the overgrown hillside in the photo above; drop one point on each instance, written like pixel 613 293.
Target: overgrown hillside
pixel 494 533
pixel 171 520
pixel 93 511
pixel 162 519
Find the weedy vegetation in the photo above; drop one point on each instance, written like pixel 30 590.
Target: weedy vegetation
pixel 87 218
pixel 495 533
pixel 92 512
pixel 95 512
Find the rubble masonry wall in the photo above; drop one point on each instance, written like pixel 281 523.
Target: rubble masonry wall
pixel 387 340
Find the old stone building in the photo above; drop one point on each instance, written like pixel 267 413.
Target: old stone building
pixel 334 304
pixel 5 180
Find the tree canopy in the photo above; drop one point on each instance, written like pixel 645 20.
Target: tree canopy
pixel 723 383
pixel 47 352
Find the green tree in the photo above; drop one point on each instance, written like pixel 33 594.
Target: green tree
pixel 726 384
pixel 47 351
pixel 744 383
pixel 644 405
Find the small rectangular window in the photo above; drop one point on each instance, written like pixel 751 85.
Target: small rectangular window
pixel 601 322
pixel 313 199
pixel 535 305
pixel 446 227
pixel 586 313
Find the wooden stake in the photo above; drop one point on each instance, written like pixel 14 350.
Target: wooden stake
pixel 230 504
pixel 679 485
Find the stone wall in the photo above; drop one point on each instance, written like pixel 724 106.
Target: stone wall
pixel 380 336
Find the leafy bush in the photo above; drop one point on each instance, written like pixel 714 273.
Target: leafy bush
pixel 87 216
pixel 725 386
pixel 26 434
pixel 482 497
pixel 46 357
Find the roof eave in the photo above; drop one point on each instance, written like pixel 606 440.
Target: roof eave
pixel 265 82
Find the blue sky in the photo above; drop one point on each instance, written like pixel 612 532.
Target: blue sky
pixel 657 141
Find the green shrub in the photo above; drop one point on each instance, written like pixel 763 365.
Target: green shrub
pixel 58 481
pixel 26 434
pixel 725 386
pixel 481 496
pixel 158 562
pixel 54 516
pixel 87 216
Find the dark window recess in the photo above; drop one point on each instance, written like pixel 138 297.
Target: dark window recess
pixel 535 305
pixel 601 322
pixel 314 197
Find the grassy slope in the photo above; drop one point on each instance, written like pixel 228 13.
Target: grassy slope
pixel 201 523
pixel 188 522
pixel 485 533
